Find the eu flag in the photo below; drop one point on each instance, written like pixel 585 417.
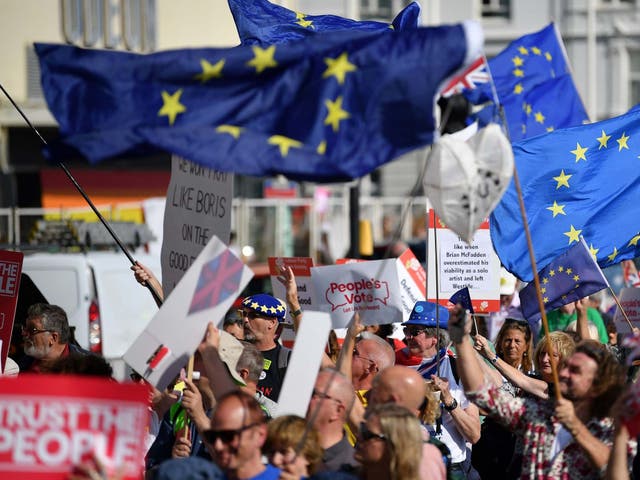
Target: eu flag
pixel 462 297
pixel 329 108
pixel 534 85
pixel 579 181
pixel 569 277
pixel 261 22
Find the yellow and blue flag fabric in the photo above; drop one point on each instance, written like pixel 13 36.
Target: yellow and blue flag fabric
pixel 261 22
pixel 579 181
pixel 571 276
pixel 534 85
pixel 328 108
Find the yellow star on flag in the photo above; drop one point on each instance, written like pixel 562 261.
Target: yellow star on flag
pixel 552 273
pixel 613 255
pixel 550 129
pixel 335 113
pixel 517 61
pixel 539 117
pixel 338 67
pixel 543 290
pixel 593 251
pixel 634 241
pixel 622 142
pixel 569 271
pixel 545 299
pixel 536 50
pixel 561 268
pixel 603 139
pixel 545 280
pixel 284 143
pixel 579 152
pixel 322 147
pixel 548 56
pixel 518 89
pixel 263 58
pixel 518 72
pixel 523 50
pixel 573 234
pixel 301 20
pixel 556 209
pixel 562 179
pixel 210 71
pixel 171 106
pixel 230 129
pixel 576 278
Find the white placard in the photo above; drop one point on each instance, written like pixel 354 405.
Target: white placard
pixel 369 288
pixel 198 207
pixel 306 358
pixel 630 301
pixel 301 267
pixel 204 294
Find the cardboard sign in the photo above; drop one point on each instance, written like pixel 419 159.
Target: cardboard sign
pixel 306 357
pixel 198 207
pixel 460 265
pixel 10 270
pixel 204 294
pixel 301 267
pixel 370 288
pixel 51 422
pixel 630 301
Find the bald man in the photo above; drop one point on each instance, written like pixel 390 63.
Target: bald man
pixel 406 387
pixel 331 401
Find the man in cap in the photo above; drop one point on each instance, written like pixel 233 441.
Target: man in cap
pixel 262 315
pixel 428 354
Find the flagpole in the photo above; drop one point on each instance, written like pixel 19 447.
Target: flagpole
pixel 624 314
pixel 154 293
pixel 534 267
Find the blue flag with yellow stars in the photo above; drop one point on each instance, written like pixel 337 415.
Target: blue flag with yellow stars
pixel 578 181
pixel 569 277
pixel 261 22
pixel 534 85
pixel 329 108
pixel 462 297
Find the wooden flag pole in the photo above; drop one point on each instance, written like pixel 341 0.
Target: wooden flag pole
pixel 190 378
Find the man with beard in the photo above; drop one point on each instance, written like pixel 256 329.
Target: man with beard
pixel 46 337
pixel 569 437
pixel 262 315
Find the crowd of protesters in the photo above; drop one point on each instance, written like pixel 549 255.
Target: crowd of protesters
pixel 441 401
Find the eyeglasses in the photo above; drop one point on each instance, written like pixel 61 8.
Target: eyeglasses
pixel 365 434
pixel 324 396
pixel 30 332
pixel 357 354
pixel 226 436
pixel 412 332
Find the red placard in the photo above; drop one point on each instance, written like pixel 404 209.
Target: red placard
pixel 10 270
pixel 49 423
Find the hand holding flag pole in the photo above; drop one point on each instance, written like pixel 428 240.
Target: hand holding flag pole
pixel 154 293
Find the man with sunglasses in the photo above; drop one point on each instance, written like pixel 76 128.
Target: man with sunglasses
pixel 261 315
pixel 46 336
pixel 430 357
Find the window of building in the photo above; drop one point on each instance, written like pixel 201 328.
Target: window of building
pixel 634 76
pixel 378 9
pixel 617 2
pixel 496 8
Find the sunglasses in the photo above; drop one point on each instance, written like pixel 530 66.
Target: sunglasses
pixel 365 434
pixel 226 436
pixel 250 314
pixel 412 332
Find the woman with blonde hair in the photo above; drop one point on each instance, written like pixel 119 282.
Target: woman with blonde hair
pixel 389 445
pixel 293 446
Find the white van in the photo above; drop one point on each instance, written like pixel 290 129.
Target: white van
pixel 104 303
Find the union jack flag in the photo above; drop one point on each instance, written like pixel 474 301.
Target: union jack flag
pixel 219 279
pixel 470 78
